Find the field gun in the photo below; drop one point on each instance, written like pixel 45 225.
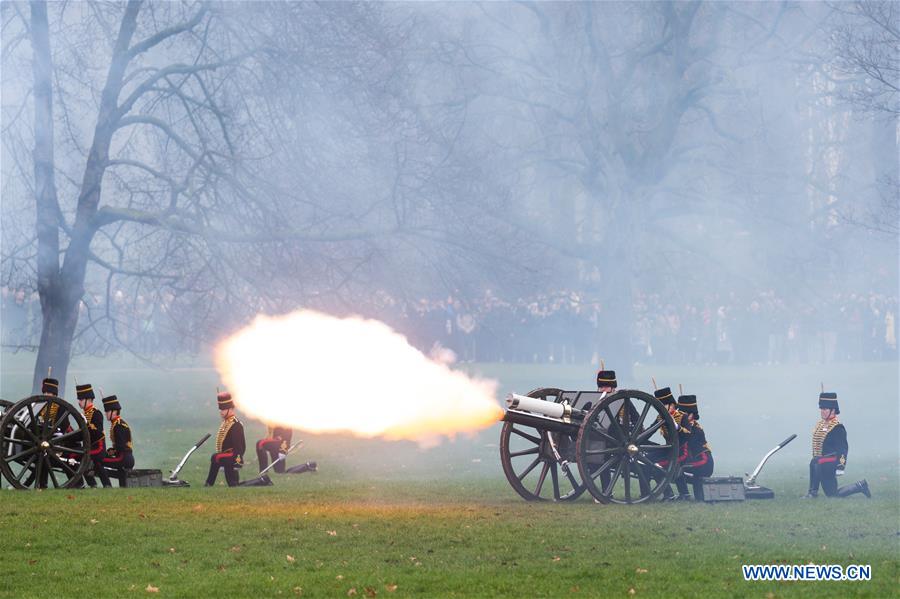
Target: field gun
pixel 620 447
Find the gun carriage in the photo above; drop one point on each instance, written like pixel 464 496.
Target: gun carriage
pixel 620 447
pixel 44 441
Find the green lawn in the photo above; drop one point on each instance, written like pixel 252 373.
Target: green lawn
pixel 392 520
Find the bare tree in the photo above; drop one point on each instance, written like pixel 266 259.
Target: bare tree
pixel 195 164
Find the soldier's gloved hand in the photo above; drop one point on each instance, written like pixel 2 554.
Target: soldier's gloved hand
pixel 839 471
pixel 281 455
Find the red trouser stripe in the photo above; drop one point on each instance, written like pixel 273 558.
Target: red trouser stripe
pixel 225 454
pixel 261 442
pixel 704 457
pixel 827 460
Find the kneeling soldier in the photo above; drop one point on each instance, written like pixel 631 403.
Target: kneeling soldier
pixel 230 444
pixel 829 448
pixel 94 420
pixel 660 457
pixel 699 462
pixel 120 458
pixel 276 442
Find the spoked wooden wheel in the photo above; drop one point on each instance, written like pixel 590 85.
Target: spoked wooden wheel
pixel 540 465
pixel 623 448
pixel 44 441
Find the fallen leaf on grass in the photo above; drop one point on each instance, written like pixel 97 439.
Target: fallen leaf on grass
pixel 339 577
pixel 390 588
pixel 351 592
pixel 641 570
pixel 556 558
pixel 632 592
pixel 198 507
pixel 824 547
pixel 298 590
pixel 70 497
pixel 574 589
pixel 331 533
pixel 32 562
pixel 152 589
pixel 220 567
pixel 371 592
pixel 93 521
pixel 290 559
pixel 235 549
pixel 171 550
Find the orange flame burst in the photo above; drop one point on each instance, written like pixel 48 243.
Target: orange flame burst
pixel 318 373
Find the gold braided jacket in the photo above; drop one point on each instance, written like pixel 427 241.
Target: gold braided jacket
pixel 223 432
pixel 823 427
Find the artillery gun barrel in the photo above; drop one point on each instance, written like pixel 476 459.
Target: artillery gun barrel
pixel 542 415
pixel 546 408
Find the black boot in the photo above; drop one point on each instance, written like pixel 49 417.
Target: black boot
pixel 301 468
pixel 262 456
pixel 861 486
pixel 810 495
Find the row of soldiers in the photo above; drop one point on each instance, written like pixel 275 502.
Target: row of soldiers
pixel 117 458
pixel 695 458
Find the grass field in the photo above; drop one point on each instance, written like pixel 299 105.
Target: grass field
pixel 395 520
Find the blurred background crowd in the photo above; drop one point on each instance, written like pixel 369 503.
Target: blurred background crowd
pixel 566 327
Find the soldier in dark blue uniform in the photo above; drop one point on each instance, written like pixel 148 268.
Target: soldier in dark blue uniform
pixel 119 458
pixel 230 444
pixel 276 442
pixel 50 413
pixel 664 395
pixel 699 461
pixel 94 420
pixel 829 453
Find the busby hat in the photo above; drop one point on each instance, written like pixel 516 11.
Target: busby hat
pixel 664 395
pixel 111 403
pixel 828 401
pixel 50 386
pixel 224 400
pixel 84 392
pixel 606 378
pixel 688 405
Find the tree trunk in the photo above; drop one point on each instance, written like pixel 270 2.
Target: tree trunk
pixel 61 288
pixel 46 205
pixel 59 320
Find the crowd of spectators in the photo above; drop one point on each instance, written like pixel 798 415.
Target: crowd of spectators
pixel 570 327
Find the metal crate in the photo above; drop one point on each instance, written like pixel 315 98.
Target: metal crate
pixel 722 488
pixel 145 478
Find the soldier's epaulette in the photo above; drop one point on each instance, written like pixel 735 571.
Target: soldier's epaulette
pixel 123 423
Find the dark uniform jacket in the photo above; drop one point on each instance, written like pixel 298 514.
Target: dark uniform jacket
pixel 94 419
pixel 120 435
pixel 230 439
pixel 282 434
pixel 697 447
pixel 829 443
